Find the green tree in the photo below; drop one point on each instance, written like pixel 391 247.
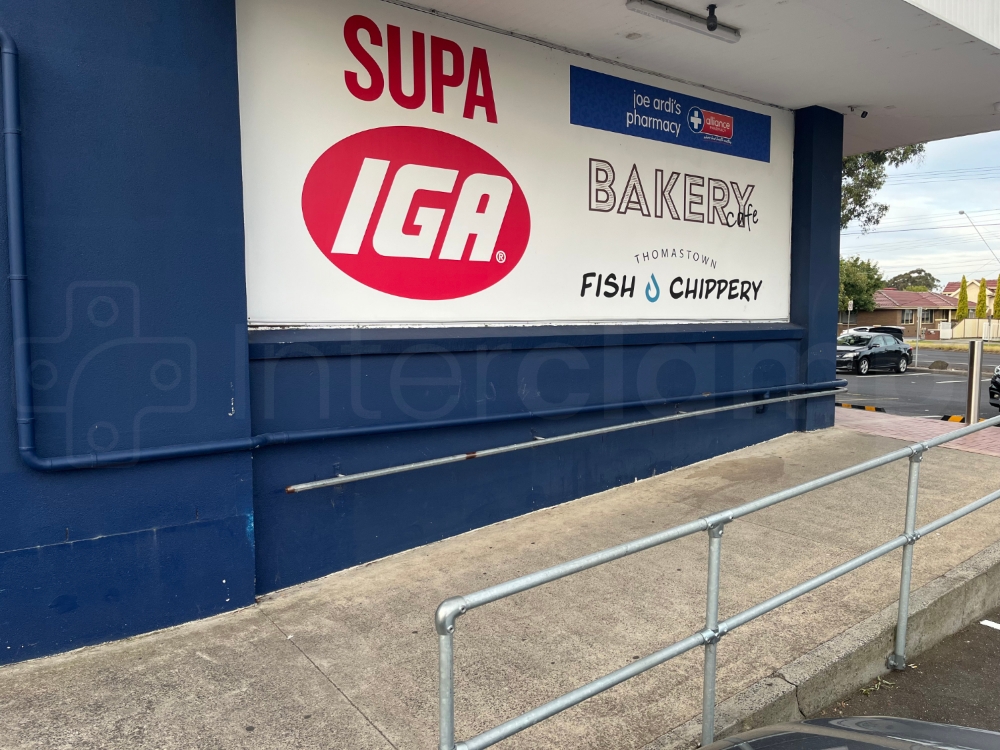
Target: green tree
pixel 981 302
pixel 963 302
pixel 918 277
pixel 859 280
pixel 996 301
pixel 862 177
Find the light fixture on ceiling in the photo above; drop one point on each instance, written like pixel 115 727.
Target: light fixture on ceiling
pixel 709 26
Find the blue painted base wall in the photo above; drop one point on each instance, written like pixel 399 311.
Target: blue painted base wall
pixel 134 230
pixel 430 376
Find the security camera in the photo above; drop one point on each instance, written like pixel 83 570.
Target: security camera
pixel 712 22
pixel 864 113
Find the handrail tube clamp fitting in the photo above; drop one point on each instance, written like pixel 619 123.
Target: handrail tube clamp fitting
pixel 447 612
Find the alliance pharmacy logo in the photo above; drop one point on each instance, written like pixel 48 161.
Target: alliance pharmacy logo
pixel 710 124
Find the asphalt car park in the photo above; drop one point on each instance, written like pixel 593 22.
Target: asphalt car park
pixel 924 357
pixel 915 394
pixel 878 366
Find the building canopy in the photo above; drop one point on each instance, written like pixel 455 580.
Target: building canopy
pixel 921 70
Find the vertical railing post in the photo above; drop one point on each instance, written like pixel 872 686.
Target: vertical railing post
pixel 444 623
pixel 897 660
pixel 711 633
pixel 446 665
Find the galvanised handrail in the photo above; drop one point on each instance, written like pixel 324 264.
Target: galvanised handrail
pixel 450 609
pixel 814 390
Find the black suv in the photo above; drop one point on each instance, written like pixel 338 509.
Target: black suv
pixel 863 352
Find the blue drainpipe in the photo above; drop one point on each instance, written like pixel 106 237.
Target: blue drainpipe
pixel 22 355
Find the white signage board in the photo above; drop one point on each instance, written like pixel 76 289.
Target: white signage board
pixel 402 169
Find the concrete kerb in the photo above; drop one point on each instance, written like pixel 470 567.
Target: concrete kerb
pixel 842 665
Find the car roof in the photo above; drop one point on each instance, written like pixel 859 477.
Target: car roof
pixel 862 733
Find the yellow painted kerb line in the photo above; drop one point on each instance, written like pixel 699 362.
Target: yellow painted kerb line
pixel 861 406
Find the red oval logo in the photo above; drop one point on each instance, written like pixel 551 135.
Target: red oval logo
pixel 416 213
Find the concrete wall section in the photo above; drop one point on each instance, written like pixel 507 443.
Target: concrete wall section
pixel 134 231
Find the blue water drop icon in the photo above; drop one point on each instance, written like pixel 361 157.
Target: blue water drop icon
pixel 649 296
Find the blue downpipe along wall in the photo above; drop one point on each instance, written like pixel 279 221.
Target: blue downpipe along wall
pixel 132 184
pixel 133 208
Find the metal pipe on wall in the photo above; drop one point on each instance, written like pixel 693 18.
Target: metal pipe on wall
pixel 15 235
pixel 342 479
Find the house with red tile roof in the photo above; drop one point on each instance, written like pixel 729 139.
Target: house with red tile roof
pixel 903 309
pixel 952 289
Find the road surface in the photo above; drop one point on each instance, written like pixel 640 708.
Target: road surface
pixel 958 360
pixel 915 394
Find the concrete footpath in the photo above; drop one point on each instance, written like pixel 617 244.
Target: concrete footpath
pixel 350 661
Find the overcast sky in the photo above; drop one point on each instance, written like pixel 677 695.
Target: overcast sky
pixel 923 228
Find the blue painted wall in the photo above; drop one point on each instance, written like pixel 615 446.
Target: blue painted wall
pixel 319 381
pixel 133 204
pixel 135 257
pixel 819 137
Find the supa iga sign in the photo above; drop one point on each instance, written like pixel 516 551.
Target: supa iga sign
pixel 404 169
pixel 466 232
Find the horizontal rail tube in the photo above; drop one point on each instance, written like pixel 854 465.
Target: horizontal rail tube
pixel 458 457
pixel 888 458
pixel 530 581
pixel 955 515
pixel 570 699
pixel 127 457
pixel 731 623
pixel 581 694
